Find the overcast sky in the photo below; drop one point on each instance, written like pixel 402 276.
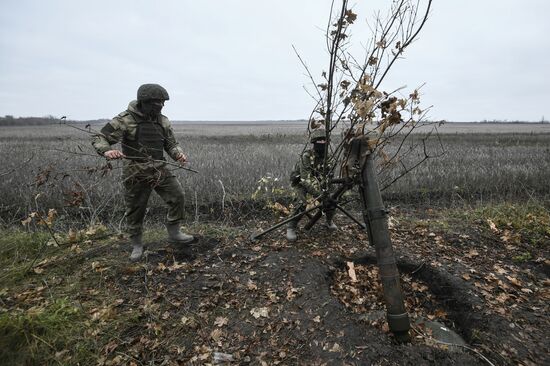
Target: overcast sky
pixel 233 59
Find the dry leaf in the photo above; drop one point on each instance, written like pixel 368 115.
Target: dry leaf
pixel 350 16
pixel 510 237
pixel 440 313
pixel 220 321
pixel 216 334
pixel 502 298
pixel 291 293
pixel 260 312
pixel 514 281
pixel 492 226
pixel 351 271
pixel 335 348
pixel 251 285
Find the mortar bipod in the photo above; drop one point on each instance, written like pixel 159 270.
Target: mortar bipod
pixel 326 202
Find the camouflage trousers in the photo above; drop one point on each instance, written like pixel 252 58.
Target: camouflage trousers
pixel 138 185
pixel 300 205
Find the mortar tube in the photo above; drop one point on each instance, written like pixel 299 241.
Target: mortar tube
pixel 377 226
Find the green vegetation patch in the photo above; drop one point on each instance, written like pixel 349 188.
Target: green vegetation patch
pixel 19 246
pixel 528 222
pixel 42 335
pixel 40 285
pixel 18 251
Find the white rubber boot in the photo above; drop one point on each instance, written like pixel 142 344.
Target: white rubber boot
pixel 291 234
pixel 331 225
pixel 137 248
pixel 175 234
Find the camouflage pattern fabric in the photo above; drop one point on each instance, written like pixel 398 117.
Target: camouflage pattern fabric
pixel 141 175
pixel 307 172
pixel 124 126
pixel 138 185
pixel 152 91
pixel 304 180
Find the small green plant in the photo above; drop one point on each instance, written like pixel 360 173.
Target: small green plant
pixel 524 257
pixel 269 187
pixel 270 190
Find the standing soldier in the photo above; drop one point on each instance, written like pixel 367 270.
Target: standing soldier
pixel 144 133
pixel 305 181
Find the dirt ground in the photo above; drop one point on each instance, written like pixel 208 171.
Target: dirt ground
pixel 318 301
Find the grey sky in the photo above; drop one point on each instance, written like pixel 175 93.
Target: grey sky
pixel 233 60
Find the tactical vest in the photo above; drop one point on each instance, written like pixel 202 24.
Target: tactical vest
pixel 295 175
pixel 148 143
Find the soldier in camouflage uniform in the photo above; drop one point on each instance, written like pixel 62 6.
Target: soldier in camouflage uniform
pixel 304 179
pixel 144 134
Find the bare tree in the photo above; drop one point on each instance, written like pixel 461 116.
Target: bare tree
pixel 349 99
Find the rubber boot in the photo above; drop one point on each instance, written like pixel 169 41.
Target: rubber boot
pixel 175 234
pixel 137 248
pixel 330 223
pixel 291 233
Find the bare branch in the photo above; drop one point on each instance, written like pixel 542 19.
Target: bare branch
pixel 7 172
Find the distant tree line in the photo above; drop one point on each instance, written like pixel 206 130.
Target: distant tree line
pixel 9 120
pixel 543 120
pixel 27 121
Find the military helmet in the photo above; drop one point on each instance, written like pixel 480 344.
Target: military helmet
pixel 152 91
pixel 318 134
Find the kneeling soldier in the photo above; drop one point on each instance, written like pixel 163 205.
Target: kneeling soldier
pixel 304 180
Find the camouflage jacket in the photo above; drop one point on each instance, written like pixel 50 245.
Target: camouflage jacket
pixel 124 126
pixel 306 172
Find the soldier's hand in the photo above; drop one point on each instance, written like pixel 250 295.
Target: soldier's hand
pixel 113 154
pixel 182 159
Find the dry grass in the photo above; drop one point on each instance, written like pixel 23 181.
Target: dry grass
pixel 232 158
